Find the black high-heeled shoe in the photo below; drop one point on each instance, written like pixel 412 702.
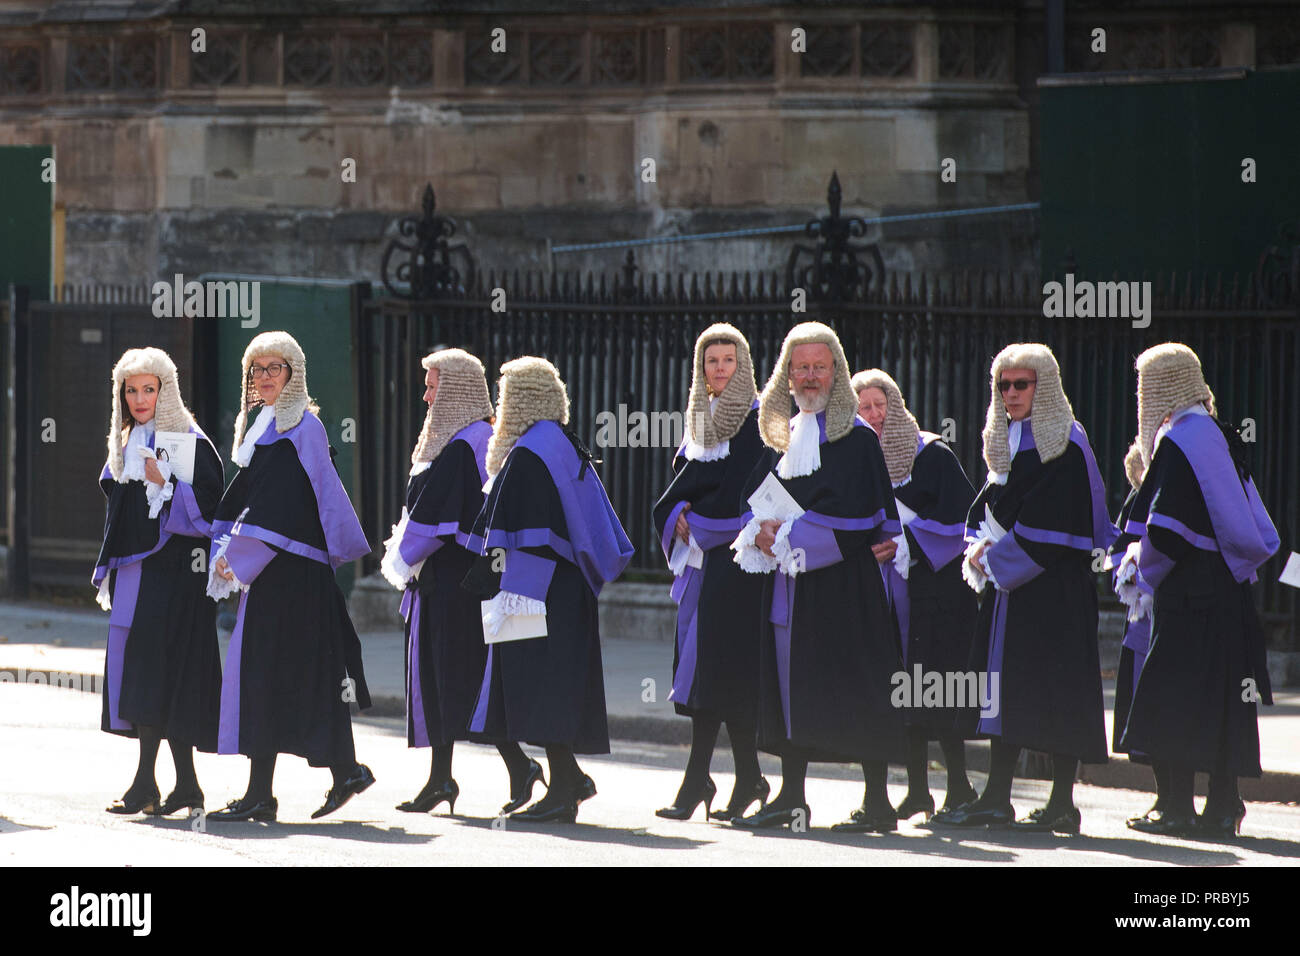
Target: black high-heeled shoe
pixel 742 795
pixel 428 799
pixel 774 817
pixel 913 804
pixel 335 797
pixel 262 811
pixel 1221 825
pixel 683 807
pixel 525 792
pixel 586 789
pixel 189 800
pixel 132 803
pixel 1156 808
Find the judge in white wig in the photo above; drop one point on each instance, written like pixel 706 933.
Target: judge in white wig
pixel 162 670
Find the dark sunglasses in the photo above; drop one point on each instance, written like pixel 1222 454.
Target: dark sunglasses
pixel 1021 384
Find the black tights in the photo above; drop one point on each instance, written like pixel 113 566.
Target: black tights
pixel 182 757
pixel 1002 771
pixel 516 762
pixel 566 776
pixel 1179 786
pixel 261 773
pixel 794 773
pixel 918 758
pixel 704 737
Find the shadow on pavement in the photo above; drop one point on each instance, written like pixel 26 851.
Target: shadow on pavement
pixel 338 829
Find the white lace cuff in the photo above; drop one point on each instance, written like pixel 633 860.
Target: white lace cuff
pixel 394 569
pixel 790 560
pixel 903 556
pixel 506 604
pixel 158 495
pixel 694 451
pixel 975 574
pixel 103 598
pixel 1126 584
pixel 219 587
pixel 747 554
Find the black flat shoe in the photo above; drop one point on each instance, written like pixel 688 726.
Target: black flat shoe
pixel 1162 823
pixel 741 797
pixel 953 800
pixel 683 807
pixel 357 781
pixel 132 803
pixel 1156 808
pixel 1221 825
pixel 973 815
pixel 263 811
pixel 912 805
pixel 525 792
pixel 864 820
pixel 772 817
pixel 190 800
pixel 427 799
pixel 1044 820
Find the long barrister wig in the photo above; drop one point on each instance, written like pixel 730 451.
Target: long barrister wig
pixel 709 428
pixel 899 434
pixel 529 391
pixel 774 403
pixel 1169 378
pixel 1051 412
pixel 462 399
pixel 170 413
pixel 293 399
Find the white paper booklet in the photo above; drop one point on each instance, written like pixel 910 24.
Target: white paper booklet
pixel 516 627
pixel 178 447
pixel 771 502
pixel 1291 573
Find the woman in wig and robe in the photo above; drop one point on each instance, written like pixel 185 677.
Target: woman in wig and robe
pixel 933 608
pixel 548 540
pixel 284 527
pixel 162 668
pixel 715 657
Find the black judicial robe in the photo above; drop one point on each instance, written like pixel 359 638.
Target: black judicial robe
pixel 715 658
pixel 549 517
pixel 1137 634
pixel 1038 628
pixel 934 607
pixel 829 648
pixel 445 653
pixel 163 666
pixel 1205 533
pixel 294 662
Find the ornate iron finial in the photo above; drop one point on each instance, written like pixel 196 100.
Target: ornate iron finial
pixel 627 288
pixel 836 272
pixel 427 268
pixel 1277 278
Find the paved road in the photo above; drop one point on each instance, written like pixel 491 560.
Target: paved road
pixel 51 812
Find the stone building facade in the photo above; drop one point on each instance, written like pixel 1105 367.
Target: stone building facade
pixel 233 158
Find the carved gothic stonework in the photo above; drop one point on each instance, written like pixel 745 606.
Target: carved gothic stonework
pixel 218 64
pixel 830 51
pixel 483 67
pixel 90 64
pixel 308 60
pixel 554 59
pixel 886 49
pixel 20 70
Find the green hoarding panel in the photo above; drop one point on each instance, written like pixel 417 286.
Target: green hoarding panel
pixel 318 314
pixel 1148 175
pixel 26 220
